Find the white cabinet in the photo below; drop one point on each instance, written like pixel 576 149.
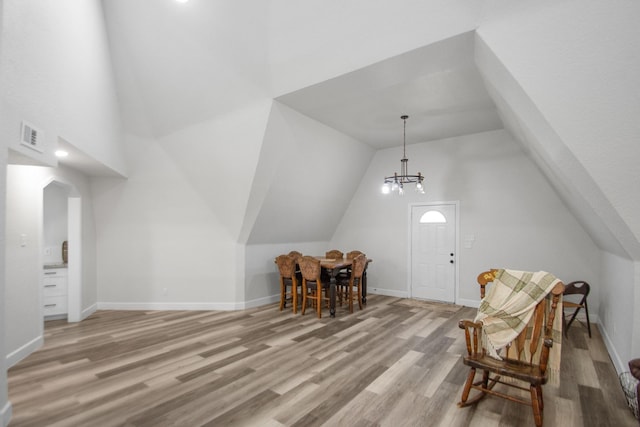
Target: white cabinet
pixel 54 293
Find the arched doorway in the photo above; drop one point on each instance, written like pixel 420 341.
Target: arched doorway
pixel 71 227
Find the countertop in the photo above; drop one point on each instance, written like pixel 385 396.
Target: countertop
pixel 58 265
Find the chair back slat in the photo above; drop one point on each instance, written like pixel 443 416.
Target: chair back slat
pixel 358 265
pixel 286 266
pixel 334 254
pixel 537 329
pixel 310 268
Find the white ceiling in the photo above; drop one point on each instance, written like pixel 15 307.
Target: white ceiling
pixel 438 86
pixel 173 70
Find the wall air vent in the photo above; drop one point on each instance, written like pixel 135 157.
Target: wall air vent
pixel 32 137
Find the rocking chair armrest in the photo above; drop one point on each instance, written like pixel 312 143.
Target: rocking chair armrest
pixel 548 342
pixel 471 328
pixel 464 324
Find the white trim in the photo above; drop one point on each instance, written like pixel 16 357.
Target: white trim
pixel 74 267
pixel 6 413
pixel 153 306
pixel 468 302
pixel 88 311
pixel 456 283
pixel 613 354
pixel 261 301
pixel 194 306
pixel 24 351
pixel 388 292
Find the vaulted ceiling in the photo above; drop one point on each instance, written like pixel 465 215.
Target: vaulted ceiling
pixel 469 69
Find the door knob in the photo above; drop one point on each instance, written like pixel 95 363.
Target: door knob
pixel 451 254
pixel 451 261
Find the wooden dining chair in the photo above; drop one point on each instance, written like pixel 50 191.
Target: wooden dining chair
pixel 579 287
pixel 288 281
pixel 525 359
pixel 295 254
pixel 354 281
pixel 334 254
pixel 343 278
pixel 312 284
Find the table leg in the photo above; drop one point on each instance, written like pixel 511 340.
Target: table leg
pixel 364 288
pixel 332 293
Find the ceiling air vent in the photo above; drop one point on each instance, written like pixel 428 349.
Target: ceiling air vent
pixel 32 137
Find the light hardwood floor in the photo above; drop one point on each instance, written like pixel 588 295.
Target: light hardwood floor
pixel 396 363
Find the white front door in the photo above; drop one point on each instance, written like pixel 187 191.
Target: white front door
pixel 433 257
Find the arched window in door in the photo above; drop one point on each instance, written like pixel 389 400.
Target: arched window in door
pixel 432 217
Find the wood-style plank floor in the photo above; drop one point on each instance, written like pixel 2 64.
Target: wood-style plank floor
pixel 396 363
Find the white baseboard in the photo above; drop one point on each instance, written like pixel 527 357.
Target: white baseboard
pixel 5 414
pixel 261 301
pixel 152 306
pixel 88 311
pixel 388 292
pixel 613 354
pixel 195 306
pixel 468 302
pixel 19 354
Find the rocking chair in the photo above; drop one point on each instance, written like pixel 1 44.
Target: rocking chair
pixel 525 359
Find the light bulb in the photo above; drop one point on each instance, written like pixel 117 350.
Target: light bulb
pixel 394 186
pixel 386 188
pixel 401 191
pixel 419 188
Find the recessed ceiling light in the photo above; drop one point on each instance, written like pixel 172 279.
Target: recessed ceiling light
pixel 61 153
pixel 182 1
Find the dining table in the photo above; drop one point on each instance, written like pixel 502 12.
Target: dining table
pixel 333 267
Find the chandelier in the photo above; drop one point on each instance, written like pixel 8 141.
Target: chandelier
pixel 396 182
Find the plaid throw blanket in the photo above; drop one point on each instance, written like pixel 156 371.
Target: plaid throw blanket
pixel 508 308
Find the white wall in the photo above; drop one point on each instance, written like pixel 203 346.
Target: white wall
pixel 618 305
pixel 160 244
pixel 24 252
pixel 573 105
pixel 5 405
pixel 306 176
pixel 169 233
pixel 585 86
pixel 56 74
pixel 506 204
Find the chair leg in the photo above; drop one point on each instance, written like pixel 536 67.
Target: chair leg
pixel 282 294
pixel 304 296
pixel 360 294
pixel 586 310
pixel 319 299
pixel 467 387
pixel 535 403
pixel 294 297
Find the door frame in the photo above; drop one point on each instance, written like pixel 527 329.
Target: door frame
pixel 74 266
pixel 456 282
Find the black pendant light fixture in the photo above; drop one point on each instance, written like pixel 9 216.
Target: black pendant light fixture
pixel 397 181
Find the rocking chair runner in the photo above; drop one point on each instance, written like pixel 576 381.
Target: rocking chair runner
pixel 534 341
